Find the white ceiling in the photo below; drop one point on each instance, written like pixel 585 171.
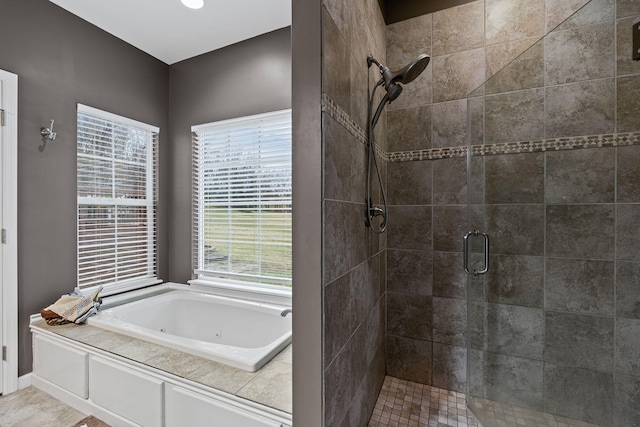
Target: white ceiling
pixel 172 32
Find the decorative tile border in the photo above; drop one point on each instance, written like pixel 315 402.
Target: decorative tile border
pixel 432 154
pixel 343 118
pixel 551 144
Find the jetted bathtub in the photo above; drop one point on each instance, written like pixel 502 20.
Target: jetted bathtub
pixel 239 333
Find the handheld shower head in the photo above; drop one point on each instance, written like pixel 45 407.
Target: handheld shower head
pixel 405 75
pixel 409 73
pixel 391 81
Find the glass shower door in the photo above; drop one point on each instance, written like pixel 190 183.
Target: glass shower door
pixel 553 182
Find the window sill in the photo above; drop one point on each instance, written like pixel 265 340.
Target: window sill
pixel 244 290
pixel 122 287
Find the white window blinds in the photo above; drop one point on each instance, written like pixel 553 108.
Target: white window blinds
pixel 116 177
pixel 242 198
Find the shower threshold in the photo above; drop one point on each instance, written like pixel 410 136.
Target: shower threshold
pixel 503 414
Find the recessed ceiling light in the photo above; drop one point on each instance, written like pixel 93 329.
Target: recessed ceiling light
pixel 193 4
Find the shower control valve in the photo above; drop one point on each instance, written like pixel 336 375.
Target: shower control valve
pixel 375 211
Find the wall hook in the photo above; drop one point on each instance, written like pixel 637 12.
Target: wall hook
pixel 48 133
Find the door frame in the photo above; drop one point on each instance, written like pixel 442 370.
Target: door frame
pixel 9 289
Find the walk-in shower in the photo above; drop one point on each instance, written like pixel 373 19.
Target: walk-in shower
pixel 391 81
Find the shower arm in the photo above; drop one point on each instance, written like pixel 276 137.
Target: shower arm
pixel 371 60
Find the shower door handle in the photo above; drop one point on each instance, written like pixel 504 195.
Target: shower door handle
pixel 485 268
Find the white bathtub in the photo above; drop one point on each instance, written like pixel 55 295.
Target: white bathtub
pixel 239 333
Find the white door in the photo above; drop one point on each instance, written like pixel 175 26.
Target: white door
pixel 2 154
pixel 9 226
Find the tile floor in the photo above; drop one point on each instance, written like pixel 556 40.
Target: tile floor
pixel 404 403
pixel 31 407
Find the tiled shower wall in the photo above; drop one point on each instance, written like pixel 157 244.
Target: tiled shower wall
pixel 354 264
pixel 426 297
pixel 426 287
pixel 562 300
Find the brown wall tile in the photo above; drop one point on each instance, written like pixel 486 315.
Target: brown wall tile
pixel 449 123
pixel 514 116
pixel 585 108
pixel 449 225
pixel 590 398
pixel 508 20
pixel 516 280
pixel 455 76
pixel 628 8
pixel 514 380
pixel 458 28
pixel 336 63
pixel 593 12
pixel 628 109
pixel 579 54
pixel 450 181
pixel 409 315
pixel 580 231
pixel 410 271
pixel 558 10
pixel 515 65
pixel 409 183
pixel 409 359
pixel 502 171
pixel 407 39
pixel 449 367
pixel 516 229
pixel 628 179
pixel 580 286
pixel 580 176
pixel 628 289
pixel 449 279
pixel 449 321
pixel 409 128
pixel 409 227
pixel 627 232
pixel 345 163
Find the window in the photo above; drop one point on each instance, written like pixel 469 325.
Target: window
pixel 116 179
pixel 242 198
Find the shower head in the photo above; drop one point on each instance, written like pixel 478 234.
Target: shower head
pixel 392 80
pixel 405 75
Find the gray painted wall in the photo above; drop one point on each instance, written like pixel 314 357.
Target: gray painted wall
pixel 62 60
pixel 250 77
